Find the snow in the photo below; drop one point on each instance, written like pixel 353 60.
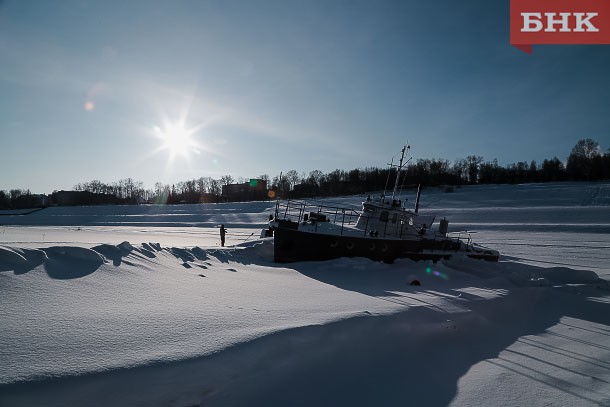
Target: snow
pixel 139 305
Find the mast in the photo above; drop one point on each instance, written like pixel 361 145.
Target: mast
pixel 391 164
pixel 399 168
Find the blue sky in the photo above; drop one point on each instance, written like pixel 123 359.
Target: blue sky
pixel 95 90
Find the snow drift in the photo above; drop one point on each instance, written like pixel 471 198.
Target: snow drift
pixel 90 319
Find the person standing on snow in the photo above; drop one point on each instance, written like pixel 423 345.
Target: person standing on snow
pixel 223 232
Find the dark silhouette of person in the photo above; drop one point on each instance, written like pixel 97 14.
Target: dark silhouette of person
pixel 223 232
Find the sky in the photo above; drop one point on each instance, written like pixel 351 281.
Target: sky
pixel 163 91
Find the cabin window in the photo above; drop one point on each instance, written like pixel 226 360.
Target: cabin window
pixel 394 217
pixel 384 216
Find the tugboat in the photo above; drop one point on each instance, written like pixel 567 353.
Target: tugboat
pixel 383 230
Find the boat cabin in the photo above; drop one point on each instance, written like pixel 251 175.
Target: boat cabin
pixel 387 217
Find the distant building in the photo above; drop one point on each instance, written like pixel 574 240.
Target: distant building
pixel 253 190
pixel 65 198
pixel 31 201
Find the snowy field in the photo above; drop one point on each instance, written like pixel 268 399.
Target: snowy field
pixel 140 306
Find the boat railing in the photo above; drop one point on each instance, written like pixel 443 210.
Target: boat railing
pixel 462 237
pixel 300 211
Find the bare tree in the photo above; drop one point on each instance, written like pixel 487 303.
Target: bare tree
pixel 474 161
pixel 316 177
pixel 215 187
pixel 16 193
pixel 581 160
pixel 292 177
pixel 226 180
pixel 587 149
pixel 207 184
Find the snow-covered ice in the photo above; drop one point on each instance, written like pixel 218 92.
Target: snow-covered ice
pixel 138 305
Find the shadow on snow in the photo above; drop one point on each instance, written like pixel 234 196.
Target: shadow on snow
pixel 414 357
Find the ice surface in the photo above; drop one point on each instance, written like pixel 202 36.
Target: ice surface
pixel 124 305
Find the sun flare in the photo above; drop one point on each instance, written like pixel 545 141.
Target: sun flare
pixel 176 139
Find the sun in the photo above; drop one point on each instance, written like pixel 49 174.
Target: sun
pixel 177 139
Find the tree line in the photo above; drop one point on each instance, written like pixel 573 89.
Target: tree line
pixel 586 162
pixel 132 191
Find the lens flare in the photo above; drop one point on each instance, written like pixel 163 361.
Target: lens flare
pixel 437 273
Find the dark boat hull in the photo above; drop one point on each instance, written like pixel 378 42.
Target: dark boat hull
pixel 292 245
